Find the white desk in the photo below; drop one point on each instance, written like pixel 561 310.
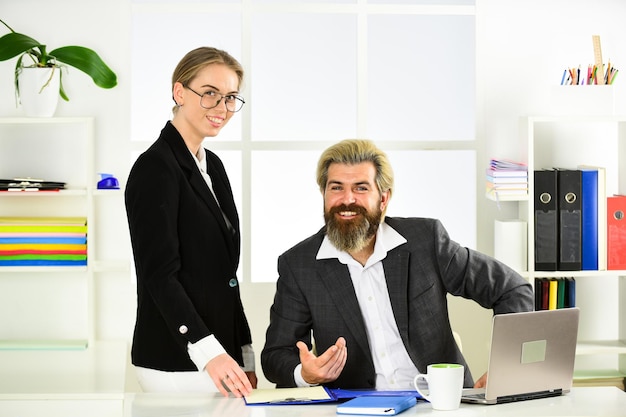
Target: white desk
pixel 593 401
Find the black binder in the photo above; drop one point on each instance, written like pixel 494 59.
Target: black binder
pixel 570 220
pixel 546 220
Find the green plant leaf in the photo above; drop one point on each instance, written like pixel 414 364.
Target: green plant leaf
pixel 12 44
pixel 87 61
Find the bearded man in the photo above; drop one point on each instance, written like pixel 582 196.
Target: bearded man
pixel 368 293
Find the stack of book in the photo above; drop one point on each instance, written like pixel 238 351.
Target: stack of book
pixel 43 241
pixel 553 293
pixel 507 179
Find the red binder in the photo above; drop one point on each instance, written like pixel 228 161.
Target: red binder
pixel 616 232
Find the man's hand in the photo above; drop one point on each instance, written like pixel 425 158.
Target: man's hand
pixel 324 368
pixel 226 373
pixel 482 381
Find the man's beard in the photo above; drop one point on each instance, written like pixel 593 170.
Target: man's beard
pixel 351 235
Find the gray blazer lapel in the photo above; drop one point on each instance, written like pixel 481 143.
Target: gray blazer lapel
pixel 396 266
pixel 339 286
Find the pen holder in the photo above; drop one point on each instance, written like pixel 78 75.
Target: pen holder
pixel 583 100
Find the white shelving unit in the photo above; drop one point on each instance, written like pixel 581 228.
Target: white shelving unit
pixel 48 339
pixel 56 304
pixel 567 142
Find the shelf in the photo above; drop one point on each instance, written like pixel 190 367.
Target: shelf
pixel 567 142
pixel 39 194
pixel 598 347
pixel 507 197
pixel 576 274
pixel 74 344
pixel 599 374
pixel 108 193
pixel 97 372
pixel 56 303
pixel 39 269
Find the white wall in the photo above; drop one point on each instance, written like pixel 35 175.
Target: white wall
pixel 522 48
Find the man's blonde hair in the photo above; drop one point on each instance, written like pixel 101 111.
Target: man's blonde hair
pixel 355 151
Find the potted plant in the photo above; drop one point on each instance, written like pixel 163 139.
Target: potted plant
pixel 33 54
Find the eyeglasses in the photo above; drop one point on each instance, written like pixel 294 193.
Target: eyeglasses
pixel 212 99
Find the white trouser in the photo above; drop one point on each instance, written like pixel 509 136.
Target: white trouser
pixel 152 380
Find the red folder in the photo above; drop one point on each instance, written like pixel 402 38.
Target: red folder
pixel 616 232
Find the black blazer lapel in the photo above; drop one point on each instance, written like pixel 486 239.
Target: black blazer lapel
pixel 222 189
pixel 188 165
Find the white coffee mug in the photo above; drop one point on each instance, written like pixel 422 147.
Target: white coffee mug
pixel 445 385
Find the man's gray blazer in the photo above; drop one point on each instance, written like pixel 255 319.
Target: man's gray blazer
pixel 315 302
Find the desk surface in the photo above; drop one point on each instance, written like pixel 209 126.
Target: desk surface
pixel 583 401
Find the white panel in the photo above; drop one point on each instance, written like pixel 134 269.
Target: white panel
pixel 423 2
pixel 159 42
pixel 597 323
pixel 438 184
pixel 421 72
pixel 43 305
pixel 303 77
pixel 287 206
pixel 304 1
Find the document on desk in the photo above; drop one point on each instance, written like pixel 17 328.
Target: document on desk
pixel 285 396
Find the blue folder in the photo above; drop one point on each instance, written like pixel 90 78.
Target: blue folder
pixel 378 405
pixel 589 231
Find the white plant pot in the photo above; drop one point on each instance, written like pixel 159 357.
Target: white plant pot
pixel 39 91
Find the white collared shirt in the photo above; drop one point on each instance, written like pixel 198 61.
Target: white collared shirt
pixel 393 366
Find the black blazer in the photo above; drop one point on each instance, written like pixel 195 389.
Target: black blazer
pixel 186 257
pixel 318 296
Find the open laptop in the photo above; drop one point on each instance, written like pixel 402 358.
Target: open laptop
pixel 532 356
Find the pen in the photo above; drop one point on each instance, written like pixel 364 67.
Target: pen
pixel 613 75
pixel 290 400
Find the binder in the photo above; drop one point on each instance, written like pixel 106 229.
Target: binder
pixel 546 232
pixel 601 223
pixel 570 220
pixel 560 295
pixel 589 220
pixel 552 298
pixel 616 232
pixel 545 294
pixel 538 294
pixel 571 292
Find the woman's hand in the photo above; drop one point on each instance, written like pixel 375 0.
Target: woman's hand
pixel 226 374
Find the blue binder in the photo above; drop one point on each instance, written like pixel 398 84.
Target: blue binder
pixel 589 181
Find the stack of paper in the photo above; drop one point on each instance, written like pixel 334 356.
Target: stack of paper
pixel 43 241
pixel 507 178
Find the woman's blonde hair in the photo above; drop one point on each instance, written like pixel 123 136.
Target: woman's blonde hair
pixel 355 151
pixel 197 59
